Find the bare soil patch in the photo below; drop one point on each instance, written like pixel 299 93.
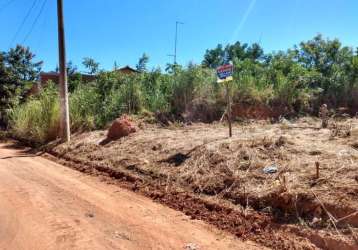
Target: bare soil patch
pixel 199 170
pixel 46 206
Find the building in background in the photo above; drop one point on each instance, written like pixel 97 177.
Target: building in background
pixel 127 70
pixel 54 77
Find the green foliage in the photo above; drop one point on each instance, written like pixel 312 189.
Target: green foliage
pixel 84 108
pixel 126 97
pixel 142 63
pixel 91 65
pixel 296 81
pixel 71 69
pixel 315 72
pixel 235 52
pixel 37 120
pixel 156 90
pixel 193 83
pixel 113 94
pixel 18 72
pixel 118 93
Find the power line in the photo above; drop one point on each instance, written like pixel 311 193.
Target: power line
pixel 23 22
pixel 40 38
pixel 35 22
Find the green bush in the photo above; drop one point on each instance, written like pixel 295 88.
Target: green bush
pixel 295 81
pixel 193 83
pixel 85 108
pixel 156 91
pixel 37 120
pixel 122 94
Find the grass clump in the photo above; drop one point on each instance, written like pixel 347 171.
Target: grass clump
pixel 84 108
pixel 37 120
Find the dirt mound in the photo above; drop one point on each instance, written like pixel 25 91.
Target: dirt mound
pixel 121 127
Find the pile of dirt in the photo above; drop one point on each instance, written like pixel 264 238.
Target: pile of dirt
pixel 121 127
pixel 201 161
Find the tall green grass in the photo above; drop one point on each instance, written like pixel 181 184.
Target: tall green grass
pixel 85 108
pixel 37 120
pixel 184 93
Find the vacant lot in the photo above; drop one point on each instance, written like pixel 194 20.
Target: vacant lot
pixel 200 161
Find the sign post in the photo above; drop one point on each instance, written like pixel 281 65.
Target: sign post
pixel 228 99
pixel 224 74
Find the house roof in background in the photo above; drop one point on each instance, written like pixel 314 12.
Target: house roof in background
pixel 128 68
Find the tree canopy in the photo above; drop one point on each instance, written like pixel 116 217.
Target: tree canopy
pixel 18 73
pixel 142 63
pixel 91 65
pixel 297 80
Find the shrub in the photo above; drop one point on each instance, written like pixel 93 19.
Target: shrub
pixel 156 91
pixel 194 83
pixel 125 97
pixel 37 120
pixel 85 108
pixel 287 82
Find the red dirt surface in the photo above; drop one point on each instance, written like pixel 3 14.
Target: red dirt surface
pixel 251 225
pixel 45 206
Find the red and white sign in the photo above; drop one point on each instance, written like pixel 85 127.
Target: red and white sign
pixel 225 72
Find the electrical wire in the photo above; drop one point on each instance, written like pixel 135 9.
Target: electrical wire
pixel 23 22
pixel 40 39
pixel 35 22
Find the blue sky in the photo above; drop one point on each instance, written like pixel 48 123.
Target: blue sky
pixel 121 30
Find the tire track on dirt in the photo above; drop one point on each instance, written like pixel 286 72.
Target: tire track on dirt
pixel 47 206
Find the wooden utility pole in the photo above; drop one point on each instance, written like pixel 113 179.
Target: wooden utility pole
pixel 65 115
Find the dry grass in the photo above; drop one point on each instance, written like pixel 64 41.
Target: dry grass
pixel 202 159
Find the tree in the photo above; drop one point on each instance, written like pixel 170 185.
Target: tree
pixel 91 65
pixel 115 65
pixel 254 52
pixel 18 73
pixel 142 63
pixel 333 62
pixel 19 61
pixel 235 52
pixel 214 57
pixel 172 68
pixel 70 68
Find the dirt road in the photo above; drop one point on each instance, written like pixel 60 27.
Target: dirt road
pixel 44 205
